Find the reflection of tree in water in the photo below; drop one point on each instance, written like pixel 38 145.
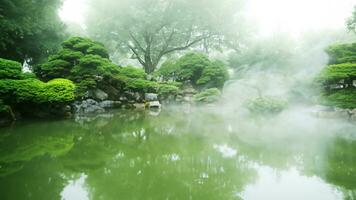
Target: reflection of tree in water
pixel 341 166
pixel 29 169
pixel 135 156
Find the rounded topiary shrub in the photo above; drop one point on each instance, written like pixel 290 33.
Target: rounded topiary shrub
pixel 10 69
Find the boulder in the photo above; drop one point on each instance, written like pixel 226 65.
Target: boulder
pixel 154 105
pixel 98 94
pixel 139 106
pixel 93 109
pixel 110 104
pixel 151 97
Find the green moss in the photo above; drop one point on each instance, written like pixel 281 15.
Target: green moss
pixel 266 105
pixel 343 98
pixel 208 96
pixel 10 69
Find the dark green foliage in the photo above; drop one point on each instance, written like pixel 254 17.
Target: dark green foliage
pixel 338 78
pixel 342 53
pixel 133 72
pixel 195 68
pixel 208 96
pixel 191 66
pixel 54 69
pixel 35 91
pixel 29 29
pixel 86 46
pixel 10 69
pixel 342 98
pixel 266 105
pixel 214 75
pixel 166 90
pixel 81 60
pixel 335 73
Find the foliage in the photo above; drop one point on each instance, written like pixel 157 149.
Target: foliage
pixel 153 29
pixel 343 98
pixel 35 91
pixel 342 53
pixel 10 69
pixel 197 69
pixel 351 21
pixel 133 72
pixel 214 75
pixel 208 96
pixel 266 105
pixel 29 29
pixel 342 71
pixel 335 73
pixel 166 90
pixel 5 110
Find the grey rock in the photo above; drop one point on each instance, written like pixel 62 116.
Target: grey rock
pixel 151 97
pixel 94 109
pixel 99 94
pixel 154 105
pixel 110 104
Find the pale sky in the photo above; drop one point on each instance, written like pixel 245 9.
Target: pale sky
pixel 293 16
pixel 297 16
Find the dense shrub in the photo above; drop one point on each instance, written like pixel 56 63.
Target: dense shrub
pixel 342 53
pixel 35 91
pixel 214 75
pixel 10 69
pixel 196 68
pixel 337 79
pixel 335 73
pixel 133 72
pixel 344 98
pixel 208 96
pixel 266 105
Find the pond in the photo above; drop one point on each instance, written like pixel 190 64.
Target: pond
pixel 181 153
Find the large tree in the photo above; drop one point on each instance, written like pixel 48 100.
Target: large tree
pixel 30 30
pixel 351 22
pixel 153 29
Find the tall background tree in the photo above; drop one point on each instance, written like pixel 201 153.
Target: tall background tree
pixel 30 30
pixel 351 22
pixel 149 30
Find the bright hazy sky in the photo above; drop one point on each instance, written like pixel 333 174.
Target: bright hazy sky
pixel 294 16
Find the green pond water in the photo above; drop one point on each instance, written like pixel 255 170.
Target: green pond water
pixel 200 153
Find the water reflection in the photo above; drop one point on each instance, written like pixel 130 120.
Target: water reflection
pixel 134 155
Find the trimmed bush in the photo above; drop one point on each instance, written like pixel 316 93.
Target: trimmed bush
pixel 35 91
pixel 196 68
pixel 266 105
pixel 10 69
pixel 345 98
pixel 335 73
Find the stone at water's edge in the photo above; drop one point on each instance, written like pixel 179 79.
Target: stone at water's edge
pixel 98 94
pixel 154 105
pixel 151 97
